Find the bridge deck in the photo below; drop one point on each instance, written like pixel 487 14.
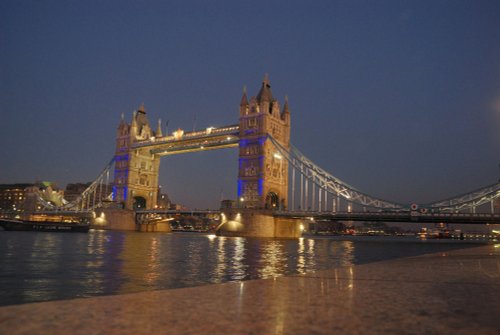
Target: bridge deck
pixel 178 212
pixel 209 139
pixel 463 218
pixel 478 218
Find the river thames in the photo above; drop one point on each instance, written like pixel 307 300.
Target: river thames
pixel 51 266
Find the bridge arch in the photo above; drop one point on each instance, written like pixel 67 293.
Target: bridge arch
pixel 139 203
pixel 272 200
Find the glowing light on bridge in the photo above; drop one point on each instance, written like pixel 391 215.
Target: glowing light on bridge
pixel 178 134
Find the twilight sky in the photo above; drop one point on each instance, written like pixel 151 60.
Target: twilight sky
pixel 400 99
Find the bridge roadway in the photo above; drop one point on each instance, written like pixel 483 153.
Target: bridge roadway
pixel 179 212
pixel 402 216
pixel 209 139
pixel 151 215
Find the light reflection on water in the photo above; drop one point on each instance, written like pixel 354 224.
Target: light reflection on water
pixel 46 266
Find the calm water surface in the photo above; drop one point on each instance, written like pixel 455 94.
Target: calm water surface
pixel 37 266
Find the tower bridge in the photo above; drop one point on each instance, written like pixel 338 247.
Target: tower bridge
pixel 277 187
pixel 262 177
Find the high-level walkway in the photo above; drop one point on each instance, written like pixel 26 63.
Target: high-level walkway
pixel 456 292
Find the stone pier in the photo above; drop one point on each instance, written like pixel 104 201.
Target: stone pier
pixel 252 223
pixel 114 219
pixel 124 219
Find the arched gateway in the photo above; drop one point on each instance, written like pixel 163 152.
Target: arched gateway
pixel 262 171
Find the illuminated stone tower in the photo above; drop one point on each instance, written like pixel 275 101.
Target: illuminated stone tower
pixel 263 172
pixel 136 169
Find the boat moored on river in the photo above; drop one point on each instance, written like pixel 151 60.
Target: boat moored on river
pixel 440 231
pixel 46 223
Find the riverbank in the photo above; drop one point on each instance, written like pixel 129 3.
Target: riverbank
pixel 456 292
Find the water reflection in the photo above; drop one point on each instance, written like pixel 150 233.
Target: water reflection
pixel 241 293
pixel 273 260
pixel 310 256
pixel 239 268
pixel 152 274
pixel 301 260
pixel 48 263
pixel 44 266
pixel 92 278
pixel 220 269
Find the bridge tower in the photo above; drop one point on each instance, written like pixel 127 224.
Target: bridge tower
pixel 136 169
pixel 263 172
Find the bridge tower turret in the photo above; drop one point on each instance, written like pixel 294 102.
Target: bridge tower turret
pixel 263 172
pixel 136 169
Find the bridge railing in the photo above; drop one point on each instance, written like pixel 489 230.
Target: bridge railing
pixel 315 179
pixel 469 200
pixel 199 134
pixel 326 184
pixel 403 216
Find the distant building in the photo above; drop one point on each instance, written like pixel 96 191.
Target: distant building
pixel 12 196
pixel 31 197
pixel 227 204
pixel 42 194
pixel 178 207
pixel 163 201
pixel 74 190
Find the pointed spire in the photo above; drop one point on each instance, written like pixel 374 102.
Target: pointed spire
pixel 244 100
pixel 122 121
pixel 285 107
pixel 265 93
pixel 142 109
pixel 158 129
pixel 134 121
pixel 266 79
pixel 285 114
